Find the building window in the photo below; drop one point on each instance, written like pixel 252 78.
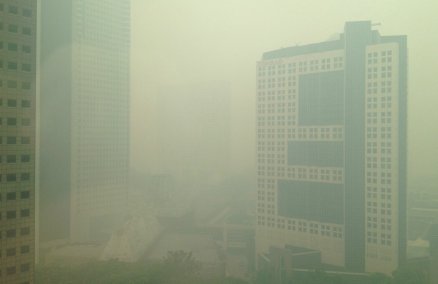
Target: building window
pixel 25 121
pixel 25 267
pixel 24 213
pixel 26 67
pixel 25 231
pixel 24 249
pixel 26 48
pixel 13 9
pixel 25 103
pixel 11 121
pixel 11 270
pixel 25 85
pixel 10 196
pixel 11 214
pixel 12 84
pixel 25 140
pixel 12 46
pixel 11 252
pixel 11 177
pixel 27 31
pixel 12 103
pixel 27 13
pixel 25 158
pixel 12 65
pixel 11 233
pixel 25 177
pixel 11 140
pixel 24 195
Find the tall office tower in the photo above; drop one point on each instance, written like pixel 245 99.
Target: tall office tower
pixel 331 149
pixel 84 118
pixel 17 140
pixel 194 133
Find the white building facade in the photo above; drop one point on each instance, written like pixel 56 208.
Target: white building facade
pixel 331 149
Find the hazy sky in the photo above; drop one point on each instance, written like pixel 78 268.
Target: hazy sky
pixel 190 41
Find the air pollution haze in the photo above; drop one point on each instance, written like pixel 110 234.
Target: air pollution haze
pixel 199 41
pixel 166 141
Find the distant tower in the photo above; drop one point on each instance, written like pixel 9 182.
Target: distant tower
pixel 17 140
pixel 331 149
pixel 84 117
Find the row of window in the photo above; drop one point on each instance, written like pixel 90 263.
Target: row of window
pixel 382 159
pixel 374 210
pixel 382 165
pixel 14 10
pixel 13 251
pixel 383 151
pixel 373 196
pixel 302 173
pixel 302 66
pixel 280 94
pixel 12 28
pixel 262 98
pixel 12 159
pixel 11 46
pixel 376 204
pixel 335 136
pixel 383 227
pixel 13 103
pixel 12 214
pixel 301 226
pixel 13 121
pixel 372 238
pixel 382 60
pixel 312 132
pixel 24 48
pixel 385 87
pixel 382 53
pixel 13 84
pixel 13 196
pixel 12 270
pixel 12 140
pixel 13 233
pixel 13 65
pixel 14 177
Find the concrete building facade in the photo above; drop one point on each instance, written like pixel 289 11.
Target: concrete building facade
pixel 331 149
pixel 84 118
pixel 17 140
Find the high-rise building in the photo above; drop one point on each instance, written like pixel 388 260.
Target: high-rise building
pixel 84 118
pixel 17 140
pixel 331 149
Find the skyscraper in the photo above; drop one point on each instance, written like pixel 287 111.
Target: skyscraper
pixel 331 149
pixel 17 140
pixel 84 117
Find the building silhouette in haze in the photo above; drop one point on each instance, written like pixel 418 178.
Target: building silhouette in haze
pixel 84 118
